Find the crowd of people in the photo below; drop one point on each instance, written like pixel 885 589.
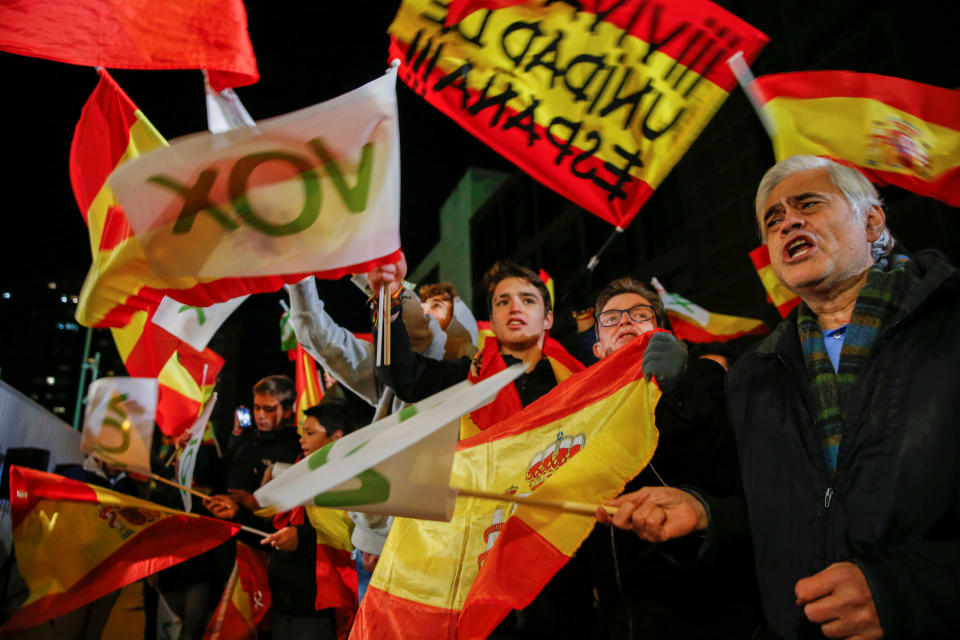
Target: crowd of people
pixel 811 490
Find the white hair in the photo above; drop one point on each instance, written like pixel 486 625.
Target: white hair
pixel 858 191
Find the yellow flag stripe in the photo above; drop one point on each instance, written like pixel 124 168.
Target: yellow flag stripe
pixel 844 127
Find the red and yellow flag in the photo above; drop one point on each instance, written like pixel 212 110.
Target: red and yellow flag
pixel 246 598
pixel 173 34
pixel 336 570
pixel 896 131
pixel 581 442
pixel 778 294
pixel 111 131
pixel 309 391
pixel 598 102
pixel 693 323
pixel 75 542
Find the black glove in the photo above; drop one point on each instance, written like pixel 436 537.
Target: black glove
pixel 666 359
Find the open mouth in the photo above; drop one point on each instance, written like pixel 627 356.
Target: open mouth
pixel 798 247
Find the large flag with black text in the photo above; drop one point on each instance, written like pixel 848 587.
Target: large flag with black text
pixel 581 442
pixel 173 34
pixel 597 102
pixel 896 131
pixel 75 542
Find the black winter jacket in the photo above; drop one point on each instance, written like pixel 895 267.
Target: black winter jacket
pixel 893 507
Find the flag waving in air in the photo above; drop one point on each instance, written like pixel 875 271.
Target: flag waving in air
pixel 895 131
pixel 596 100
pixel 693 323
pixel 173 34
pixel 581 442
pixel 110 133
pixel 75 542
pixel 313 191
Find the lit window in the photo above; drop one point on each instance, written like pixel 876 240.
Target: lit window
pixel 59 410
pixel 51 285
pixel 51 381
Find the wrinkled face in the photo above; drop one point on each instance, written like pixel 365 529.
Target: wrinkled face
pixel 626 330
pixel 315 436
pixel 267 411
pixel 814 239
pixel 518 317
pixel 441 308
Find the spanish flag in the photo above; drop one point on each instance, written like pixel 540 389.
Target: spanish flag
pixel 896 131
pixel 336 570
pixel 581 442
pixel 75 542
pixel 596 100
pixel 781 297
pixel 245 600
pixel 693 323
pixel 309 391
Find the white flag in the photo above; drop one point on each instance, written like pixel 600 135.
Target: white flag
pixel 313 190
pixel 188 457
pixel 399 465
pixel 118 425
pixel 225 112
pixel 194 325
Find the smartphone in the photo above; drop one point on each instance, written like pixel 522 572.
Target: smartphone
pixel 243 417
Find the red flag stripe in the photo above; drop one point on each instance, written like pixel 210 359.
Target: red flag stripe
pixel 927 102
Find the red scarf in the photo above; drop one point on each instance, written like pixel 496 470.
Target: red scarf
pixel 490 361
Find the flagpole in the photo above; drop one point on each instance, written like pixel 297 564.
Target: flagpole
pixel 746 79
pixel 588 268
pixel 205 496
pixel 579 508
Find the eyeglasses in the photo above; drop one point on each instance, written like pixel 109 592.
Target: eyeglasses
pixel 638 313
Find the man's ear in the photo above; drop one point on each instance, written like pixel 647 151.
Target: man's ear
pixel 287 412
pixel 875 220
pixel 597 351
pixel 548 321
pixel 337 434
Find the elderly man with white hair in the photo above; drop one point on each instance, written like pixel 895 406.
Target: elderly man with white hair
pixel 847 420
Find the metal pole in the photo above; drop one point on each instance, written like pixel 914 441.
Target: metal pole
pixel 83 375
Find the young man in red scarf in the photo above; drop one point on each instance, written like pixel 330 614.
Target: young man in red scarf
pixel 520 315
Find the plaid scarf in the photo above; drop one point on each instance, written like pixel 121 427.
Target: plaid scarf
pixel 881 299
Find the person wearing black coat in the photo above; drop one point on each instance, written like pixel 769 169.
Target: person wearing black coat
pixel 846 419
pixel 643 591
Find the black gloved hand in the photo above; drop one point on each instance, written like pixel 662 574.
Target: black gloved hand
pixel 666 359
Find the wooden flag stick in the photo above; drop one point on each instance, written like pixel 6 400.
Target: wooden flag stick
pixel 383 326
pixel 580 508
pixel 205 496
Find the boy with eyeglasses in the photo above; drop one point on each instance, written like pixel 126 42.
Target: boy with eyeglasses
pixel 696 447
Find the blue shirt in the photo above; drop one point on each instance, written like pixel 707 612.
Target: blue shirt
pixel 833 340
